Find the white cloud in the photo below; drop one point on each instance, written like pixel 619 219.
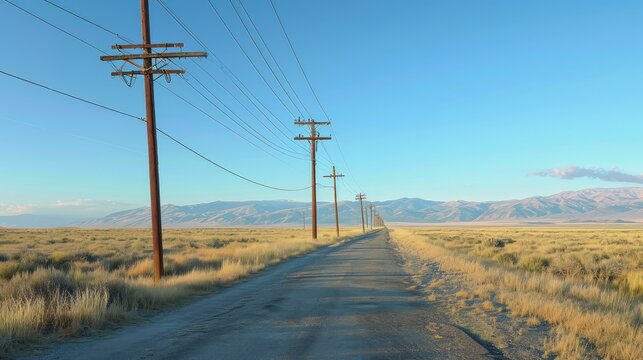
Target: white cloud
pixel 72 207
pixel 573 172
pixel 13 209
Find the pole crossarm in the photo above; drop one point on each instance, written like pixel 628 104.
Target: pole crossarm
pixel 147 46
pixel 312 138
pixel 141 72
pixel 312 122
pixel 167 55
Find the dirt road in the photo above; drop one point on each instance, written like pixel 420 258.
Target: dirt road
pixel 343 302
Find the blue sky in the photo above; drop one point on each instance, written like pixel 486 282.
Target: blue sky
pixel 442 100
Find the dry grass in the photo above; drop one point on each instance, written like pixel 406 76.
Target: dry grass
pixel 585 281
pixel 63 282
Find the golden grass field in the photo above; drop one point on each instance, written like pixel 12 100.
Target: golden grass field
pixel 64 282
pixel 586 283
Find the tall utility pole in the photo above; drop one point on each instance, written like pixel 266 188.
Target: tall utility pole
pixel 335 175
pixel 149 70
pixel 366 212
pixel 361 198
pixel 371 206
pixel 313 138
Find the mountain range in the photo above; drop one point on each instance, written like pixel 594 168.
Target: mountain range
pixel 590 205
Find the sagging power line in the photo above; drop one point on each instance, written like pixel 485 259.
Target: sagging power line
pixel 249 129
pixel 164 72
pixel 164 133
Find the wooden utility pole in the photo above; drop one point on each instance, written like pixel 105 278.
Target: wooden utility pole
pixel 149 70
pixel 366 214
pixel 335 175
pixel 378 220
pixel 313 138
pixel 371 206
pixel 361 198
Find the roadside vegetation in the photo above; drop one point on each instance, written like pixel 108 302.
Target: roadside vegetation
pixel 64 282
pixel 586 283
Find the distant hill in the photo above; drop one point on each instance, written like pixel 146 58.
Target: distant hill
pixel 621 205
pixel 229 213
pixel 592 205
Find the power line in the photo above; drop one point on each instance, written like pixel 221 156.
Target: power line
pixel 93 23
pixel 272 56
pixel 258 135
pixel 292 48
pixel 289 144
pixel 266 60
pixel 109 108
pixel 71 96
pixel 212 117
pixel 328 158
pixel 56 27
pixel 226 70
pixel 226 169
pixel 254 66
pixel 297 58
pixel 88 21
pixel 101 51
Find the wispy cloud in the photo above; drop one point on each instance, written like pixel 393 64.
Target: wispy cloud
pixel 73 207
pixel 573 172
pixel 14 209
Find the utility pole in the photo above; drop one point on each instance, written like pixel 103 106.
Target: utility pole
pixel 378 220
pixel 366 212
pixel 149 69
pixel 313 138
pixel 335 175
pixel 371 206
pixel 361 198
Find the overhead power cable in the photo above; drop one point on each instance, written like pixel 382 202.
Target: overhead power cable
pixel 265 44
pixel 257 135
pixel 56 27
pixel 182 144
pixel 69 95
pixel 254 66
pixel 327 158
pixel 101 51
pixel 265 60
pixel 88 21
pixel 226 70
pixel 290 144
pixel 292 48
pixel 283 29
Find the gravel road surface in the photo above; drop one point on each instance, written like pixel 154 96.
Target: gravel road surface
pixel 347 301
